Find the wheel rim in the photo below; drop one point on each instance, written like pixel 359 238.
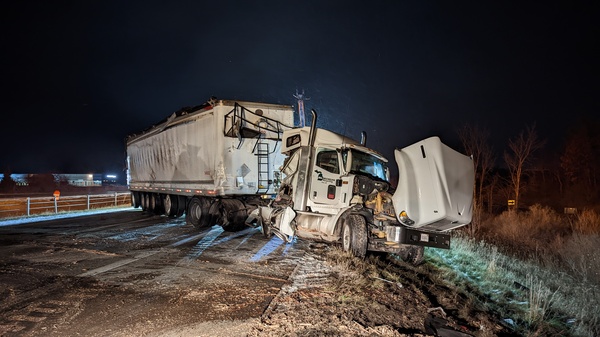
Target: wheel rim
pixel 196 212
pixel 346 237
pixel 168 204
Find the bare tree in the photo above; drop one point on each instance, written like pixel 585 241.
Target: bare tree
pixel 579 160
pixel 475 143
pixel 521 149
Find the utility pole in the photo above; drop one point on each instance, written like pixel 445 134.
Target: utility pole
pixel 300 97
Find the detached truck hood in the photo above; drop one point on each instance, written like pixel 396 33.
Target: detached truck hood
pixel 435 186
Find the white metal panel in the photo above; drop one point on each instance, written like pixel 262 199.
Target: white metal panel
pixel 191 151
pixel 184 155
pixel 435 185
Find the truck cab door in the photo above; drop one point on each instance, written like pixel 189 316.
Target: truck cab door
pixel 325 184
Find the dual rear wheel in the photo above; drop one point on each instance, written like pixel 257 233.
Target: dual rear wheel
pixel 167 204
pixel 202 212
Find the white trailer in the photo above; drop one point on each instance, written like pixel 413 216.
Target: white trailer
pixel 213 162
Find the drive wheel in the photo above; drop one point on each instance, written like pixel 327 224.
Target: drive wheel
pixel 354 235
pixel 234 214
pixel 170 203
pixel 197 212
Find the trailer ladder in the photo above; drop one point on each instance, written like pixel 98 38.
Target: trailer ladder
pixel 262 153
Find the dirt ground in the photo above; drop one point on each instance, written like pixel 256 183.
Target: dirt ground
pixel 132 275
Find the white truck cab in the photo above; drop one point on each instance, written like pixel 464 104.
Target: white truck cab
pixel 335 189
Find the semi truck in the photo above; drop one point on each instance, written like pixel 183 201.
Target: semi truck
pixel 237 164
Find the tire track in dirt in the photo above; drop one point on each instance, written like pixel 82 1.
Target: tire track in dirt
pixel 60 301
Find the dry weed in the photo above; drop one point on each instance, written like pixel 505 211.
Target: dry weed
pixel 587 222
pixel 540 299
pixel 580 253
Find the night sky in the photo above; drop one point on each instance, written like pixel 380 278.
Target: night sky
pixel 79 76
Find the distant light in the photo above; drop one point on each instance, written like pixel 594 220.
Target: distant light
pixel 90 176
pixel 111 176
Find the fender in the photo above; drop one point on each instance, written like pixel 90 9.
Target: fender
pixel 341 216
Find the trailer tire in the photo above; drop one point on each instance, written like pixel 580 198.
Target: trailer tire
pixel 197 212
pixel 171 205
pixel 354 235
pixel 145 202
pixel 181 205
pixel 156 204
pixel 135 199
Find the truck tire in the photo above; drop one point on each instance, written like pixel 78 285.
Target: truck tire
pixel 354 235
pixel 197 212
pixel 135 199
pixel 144 200
pixel 170 203
pixel 234 215
pixel 156 204
pixel 181 205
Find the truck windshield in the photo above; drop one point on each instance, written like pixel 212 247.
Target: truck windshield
pixel 366 164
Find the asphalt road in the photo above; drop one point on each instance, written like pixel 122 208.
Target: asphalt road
pixel 128 273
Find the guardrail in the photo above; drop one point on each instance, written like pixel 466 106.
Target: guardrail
pixel 26 206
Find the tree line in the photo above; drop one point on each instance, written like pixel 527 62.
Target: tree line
pixel 569 178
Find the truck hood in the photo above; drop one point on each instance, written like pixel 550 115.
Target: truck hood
pixel 435 186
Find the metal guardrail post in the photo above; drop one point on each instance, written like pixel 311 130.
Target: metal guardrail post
pixel 88 201
pixel 28 206
pixel 55 206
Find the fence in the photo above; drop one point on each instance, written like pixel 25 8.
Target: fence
pixel 26 206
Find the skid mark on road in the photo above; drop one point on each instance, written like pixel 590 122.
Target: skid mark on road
pixel 248 231
pixel 28 315
pixel 203 244
pixel 250 234
pixel 119 263
pixel 151 233
pixel 270 247
pixel 186 239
